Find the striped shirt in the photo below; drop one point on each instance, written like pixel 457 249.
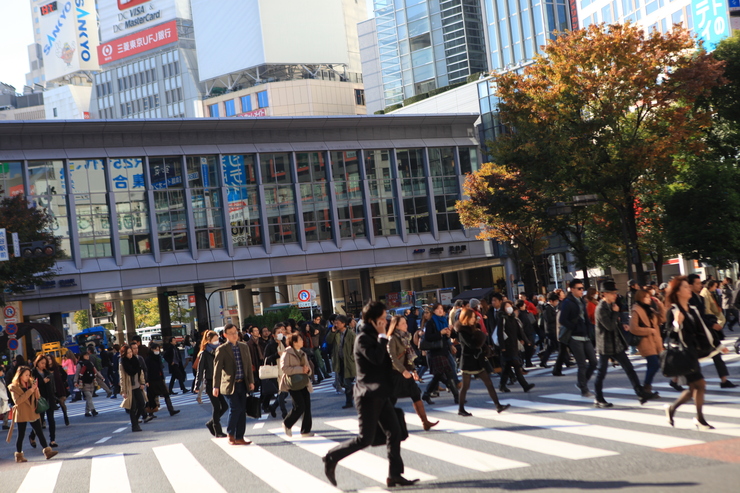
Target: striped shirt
pixel 239 363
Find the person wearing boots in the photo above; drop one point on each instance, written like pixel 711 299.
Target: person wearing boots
pixel 645 322
pixel 472 358
pixel 205 375
pixel 25 391
pixel 405 376
pixel 510 332
pixel 611 344
pixel 133 382
pixel 155 378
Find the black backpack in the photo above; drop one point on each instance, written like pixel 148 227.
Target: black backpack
pixel 87 373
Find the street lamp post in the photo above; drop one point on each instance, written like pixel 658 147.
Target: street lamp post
pixel 235 287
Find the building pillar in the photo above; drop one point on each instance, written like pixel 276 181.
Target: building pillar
pixel 326 298
pixel 245 303
pixel 130 318
pixel 267 298
pixel 366 286
pixel 463 280
pixel 55 320
pixel 450 281
pixel 164 314
pixel 416 284
pixel 337 297
pixel 201 308
pixel 406 285
pixel 120 326
pixel 282 289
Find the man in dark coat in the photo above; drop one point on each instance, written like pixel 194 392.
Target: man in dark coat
pixel 574 332
pixel 611 343
pixel 155 379
pixel 176 364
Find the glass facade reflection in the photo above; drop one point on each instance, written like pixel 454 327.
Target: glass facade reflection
pixel 277 177
pixel 311 168
pixel 88 182
pixel 48 191
pixel 205 195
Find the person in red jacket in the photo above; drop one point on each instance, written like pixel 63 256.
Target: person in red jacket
pixel 531 308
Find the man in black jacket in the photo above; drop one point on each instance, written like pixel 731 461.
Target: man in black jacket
pixel 373 392
pixel 573 322
pixel 549 318
pixel 155 380
pixel 611 344
pixel 176 364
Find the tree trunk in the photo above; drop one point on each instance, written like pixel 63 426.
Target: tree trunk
pixel 631 227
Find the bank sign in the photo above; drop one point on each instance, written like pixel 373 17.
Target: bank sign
pixel 120 18
pixel 711 21
pixel 69 37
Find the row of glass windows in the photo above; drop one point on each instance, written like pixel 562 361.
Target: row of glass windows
pixel 229 106
pixel 328 186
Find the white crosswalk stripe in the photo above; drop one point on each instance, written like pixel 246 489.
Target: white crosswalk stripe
pixel 100 470
pixel 41 479
pixel 174 459
pixel 708 398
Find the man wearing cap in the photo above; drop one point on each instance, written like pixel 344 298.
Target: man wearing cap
pixel 611 344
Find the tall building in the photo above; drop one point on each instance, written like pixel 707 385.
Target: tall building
pixel 280 57
pixel 149 67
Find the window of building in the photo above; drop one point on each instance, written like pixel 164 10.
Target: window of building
pixel 246 103
pixel 280 202
pixel 382 195
pixel 311 168
pixel 169 203
pixel 92 214
pixel 11 179
pixel 413 189
pixel 230 107
pixel 262 100
pixel 205 195
pixel 132 206
pixel 48 192
pixel 360 97
pixel 345 167
pixel 446 187
pixel 213 110
pixel 240 180
pixel 469 162
pixel 54 111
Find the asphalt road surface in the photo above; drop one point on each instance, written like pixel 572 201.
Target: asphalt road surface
pixel 550 440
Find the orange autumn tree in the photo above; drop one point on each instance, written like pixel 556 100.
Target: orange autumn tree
pixel 605 111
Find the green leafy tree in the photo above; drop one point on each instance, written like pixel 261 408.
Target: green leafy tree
pixel 82 319
pixel 146 312
pixel 269 319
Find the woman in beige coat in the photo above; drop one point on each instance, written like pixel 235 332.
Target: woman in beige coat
pixel 133 384
pixel 296 379
pixel 645 322
pixel 26 395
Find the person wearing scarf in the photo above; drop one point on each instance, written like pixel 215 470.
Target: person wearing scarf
pixel 133 383
pixel 645 322
pixel 205 374
pixel 437 332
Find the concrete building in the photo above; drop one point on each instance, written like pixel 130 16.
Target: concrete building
pixel 27 106
pixel 360 206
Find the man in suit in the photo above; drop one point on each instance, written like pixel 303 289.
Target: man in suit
pixel 176 364
pixel 232 377
pixel 372 393
pixel 342 340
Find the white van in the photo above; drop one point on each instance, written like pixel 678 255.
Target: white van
pixel 151 337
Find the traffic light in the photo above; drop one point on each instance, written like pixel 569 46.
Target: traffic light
pixel 38 249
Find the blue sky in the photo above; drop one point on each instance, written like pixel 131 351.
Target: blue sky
pixel 15 36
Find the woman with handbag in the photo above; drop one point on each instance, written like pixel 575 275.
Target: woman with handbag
pixel 690 341
pixel 510 333
pixel 645 323
pixel 206 359
pixel 28 402
pixel 47 390
pixel 296 379
pixel 405 376
pixel 133 384
pixel 270 373
pixel 473 358
pixel 436 342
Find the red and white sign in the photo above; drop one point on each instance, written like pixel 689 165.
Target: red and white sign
pixel 140 42
pixel 304 296
pixel 127 4
pixel 191 299
pixel 254 113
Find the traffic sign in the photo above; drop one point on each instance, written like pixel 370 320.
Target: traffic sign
pixel 13 344
pixel 11 329
pixel 304 296
pixel 9 311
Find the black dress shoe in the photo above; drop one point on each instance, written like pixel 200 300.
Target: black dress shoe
pixel 727 385
pixel 138 428
pixel 211 428
pixel 330 468
pixel 428 399
pixel 675 386
pixel 602 404
pixel 176 411
pixel 400 481
pixel 528 387
pixel 94 412
pixel 504 389
pixel 346 406
pixel 463 412
pixel 221 435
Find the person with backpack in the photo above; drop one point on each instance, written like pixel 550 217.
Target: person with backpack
pixel 85 381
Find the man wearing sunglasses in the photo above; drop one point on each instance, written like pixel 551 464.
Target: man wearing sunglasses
pixel 574 331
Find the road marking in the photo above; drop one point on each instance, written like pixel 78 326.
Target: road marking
pixel 732 398
pixel 257 426
pixel 446 452
pixel 710 410
pixel 642 439
pixel 533 443
pixel 103 440
pixel 83 452
pixel 119 430
pixel 101 480
pixel 40 479
pixel 183 471
pixel 633 417
pixel 362 462
pixel 276 472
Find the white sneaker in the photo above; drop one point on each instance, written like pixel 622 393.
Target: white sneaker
pixel 288 431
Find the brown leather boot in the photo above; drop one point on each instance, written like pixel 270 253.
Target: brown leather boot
pixel 49 453
pixel 19 457
pixel 419 408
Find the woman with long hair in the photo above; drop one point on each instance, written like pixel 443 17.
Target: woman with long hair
pixel 133 384
pixel 296 379
pixel 510 333
pixel 69 365
pixel 405 376
pixel 25 390
pixel 61 391
pixel 437 333
pixel 645 322
pixel 685 325
pixel 47 390
pixel 472 358
pixel 205 359
pixel 422 359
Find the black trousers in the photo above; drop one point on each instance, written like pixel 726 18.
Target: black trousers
pixel 36 426
pixel 301 407
pixel 583 351
pixel 52 425
pixel 373 412
pixel 137 407
pixel 722 370
pixel 177 373
pixel 563 357
pixel 219 406
pixel 158 389
pixel 623 360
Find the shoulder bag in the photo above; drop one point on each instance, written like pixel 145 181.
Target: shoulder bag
pixel 268 371
pixel 253 406
pixel 42 405
pixel 425 345
pixel 299 381
pixel 675 360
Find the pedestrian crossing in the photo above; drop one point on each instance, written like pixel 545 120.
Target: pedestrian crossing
pixel 544 429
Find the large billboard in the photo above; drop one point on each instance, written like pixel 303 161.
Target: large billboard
pixel 234 35
pixel 120 18
pixel 69 37
pixel 711 21
pixel 136 43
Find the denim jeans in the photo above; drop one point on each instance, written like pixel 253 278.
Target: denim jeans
pixel 237 411
pixel 653 365
pixel 626 364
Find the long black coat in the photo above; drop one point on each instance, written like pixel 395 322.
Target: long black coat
pixel 374 365
pixel 609 333
pixel 472 340
pixel 514 332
